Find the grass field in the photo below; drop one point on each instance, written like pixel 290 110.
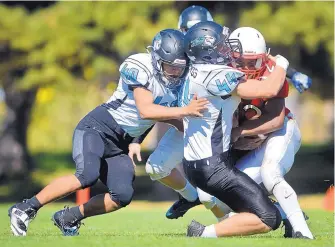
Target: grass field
pixel 144 224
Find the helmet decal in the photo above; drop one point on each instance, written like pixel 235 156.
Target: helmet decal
pixel 157 42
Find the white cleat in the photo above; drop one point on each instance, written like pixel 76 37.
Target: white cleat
pixel 19 222
pixel 20 219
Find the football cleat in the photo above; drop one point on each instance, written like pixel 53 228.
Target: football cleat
pixel 180 207
pixel 289 233
pixel 68 228
pixel 299 235
pixel 195 229
pixel 21 214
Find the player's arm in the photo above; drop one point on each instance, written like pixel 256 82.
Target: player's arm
pixel 268 88
pixel 148 110
pixel 271 120
pixel 300 81
pixel 177 123
pixel 138 79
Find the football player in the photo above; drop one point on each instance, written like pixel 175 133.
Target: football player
pixel 146 93
pixel 161 165
pixel 207 160
pixel 272 156
pixel 195 14
pixel 191 16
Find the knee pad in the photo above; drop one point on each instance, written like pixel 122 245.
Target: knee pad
pixel 89 175
pixel 271 175
pixel 87 180
pixel 87 152
pixel 166 156
pixel 124 197
pixel 206 199
pixel 157 170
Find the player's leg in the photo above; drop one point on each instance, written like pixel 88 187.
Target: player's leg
pixel 251 164
pixel 218 208
pixel 256 213
pixel 118 174
pixel 281 148
pixel 161 166
pixel 87 150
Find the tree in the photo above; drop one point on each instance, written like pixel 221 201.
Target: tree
pixel 65 44
pixel 301 31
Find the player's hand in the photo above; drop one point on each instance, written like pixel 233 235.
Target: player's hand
pixel 135 149
pixel 301 81
pixel 196 106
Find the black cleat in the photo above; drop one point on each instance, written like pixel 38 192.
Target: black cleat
pixel 195 229
pixel 288 229
pixel 289 233
pixel 67 227
pixel 180 207
pixel 299 235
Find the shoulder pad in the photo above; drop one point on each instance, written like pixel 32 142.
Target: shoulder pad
pixel 223 82
pixel 135 71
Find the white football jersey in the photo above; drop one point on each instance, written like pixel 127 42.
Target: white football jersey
pixel 137 71
pixel 209 135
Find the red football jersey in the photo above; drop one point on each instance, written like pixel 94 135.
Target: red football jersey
pixel 253 108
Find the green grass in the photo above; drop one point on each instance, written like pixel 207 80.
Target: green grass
pixel 147 226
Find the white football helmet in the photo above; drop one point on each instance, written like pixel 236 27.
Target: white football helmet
pixel 254 57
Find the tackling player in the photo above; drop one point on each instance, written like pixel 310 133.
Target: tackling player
pixel 195 14
pixel 145 94
pixel 273 156
pixel 207 160
pixel 161 165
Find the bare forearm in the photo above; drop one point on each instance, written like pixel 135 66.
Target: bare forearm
pixel 161 113
pixel 260 126
pixel 268 88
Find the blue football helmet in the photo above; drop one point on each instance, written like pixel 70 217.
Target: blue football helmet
pixel 168 57
pixel 191 16
pixel 208 42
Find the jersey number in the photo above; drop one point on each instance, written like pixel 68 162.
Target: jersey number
pixel 130 74
pixel 230 79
